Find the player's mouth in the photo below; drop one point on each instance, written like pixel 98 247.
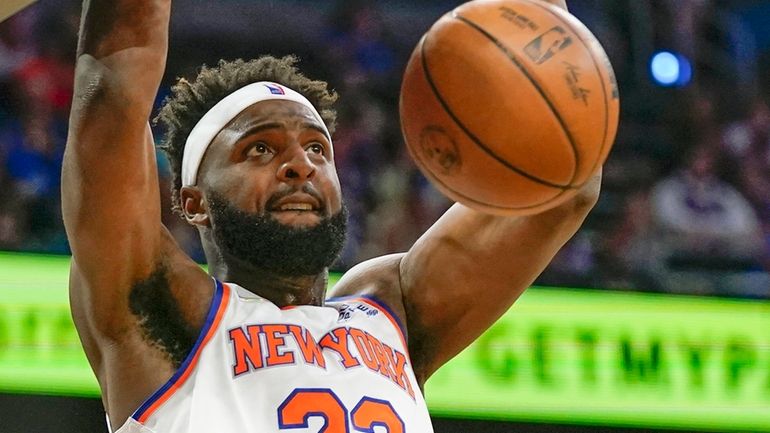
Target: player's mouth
pixel 297 209
pixel 297 202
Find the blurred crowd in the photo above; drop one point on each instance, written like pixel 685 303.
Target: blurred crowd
pixel 685 206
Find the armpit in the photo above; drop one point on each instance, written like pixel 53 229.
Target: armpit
pixel 160 319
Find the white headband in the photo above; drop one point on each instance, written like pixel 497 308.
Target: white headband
pixel 223 112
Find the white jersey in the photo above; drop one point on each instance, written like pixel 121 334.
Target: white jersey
pixel 258 368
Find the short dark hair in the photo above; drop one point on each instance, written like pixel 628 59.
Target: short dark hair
pixel 189 101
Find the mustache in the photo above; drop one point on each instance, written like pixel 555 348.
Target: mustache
pixel 289 190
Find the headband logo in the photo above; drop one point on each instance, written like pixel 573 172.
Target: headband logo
pixel 275 90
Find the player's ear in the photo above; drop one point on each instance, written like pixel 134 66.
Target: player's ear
pixel 194 206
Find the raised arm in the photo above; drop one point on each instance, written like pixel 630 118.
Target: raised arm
pixel 469 268
pixel 111 204
pixel 110 196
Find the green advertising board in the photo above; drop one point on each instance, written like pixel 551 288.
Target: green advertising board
pixel 592 357
pixel 559 355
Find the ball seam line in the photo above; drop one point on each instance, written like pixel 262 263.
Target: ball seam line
pixel 442 184
pixel 514 59
pixel 604 89
pixel 474 138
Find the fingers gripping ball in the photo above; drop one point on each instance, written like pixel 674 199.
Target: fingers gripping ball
pixel 509 106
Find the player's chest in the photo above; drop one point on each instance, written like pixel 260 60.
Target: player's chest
pixel 348 341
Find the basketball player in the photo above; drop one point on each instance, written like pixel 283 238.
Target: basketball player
pixel 259 345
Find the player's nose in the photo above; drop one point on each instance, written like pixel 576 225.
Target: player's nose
pixel 297 167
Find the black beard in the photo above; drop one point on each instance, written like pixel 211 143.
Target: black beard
pixel 263 242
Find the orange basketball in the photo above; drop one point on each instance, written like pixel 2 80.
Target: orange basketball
pixel 509 106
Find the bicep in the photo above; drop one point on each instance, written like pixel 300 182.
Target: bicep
pixel 112 215
pixel 110 189
pixel 111 204
pixel 468 269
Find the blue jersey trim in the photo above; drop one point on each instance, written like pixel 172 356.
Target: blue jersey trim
pixel 213 308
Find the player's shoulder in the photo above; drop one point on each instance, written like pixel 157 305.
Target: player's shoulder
pixel 378 277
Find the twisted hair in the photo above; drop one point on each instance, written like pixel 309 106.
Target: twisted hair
pixel 189 101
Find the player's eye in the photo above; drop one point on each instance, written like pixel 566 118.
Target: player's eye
pixel 257 149
pixel 316 148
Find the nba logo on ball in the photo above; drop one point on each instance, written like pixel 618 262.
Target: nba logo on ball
pixel 547 45
pixel 440 150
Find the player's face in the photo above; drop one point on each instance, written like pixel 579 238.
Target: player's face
pixel 275 159
pixel 272 190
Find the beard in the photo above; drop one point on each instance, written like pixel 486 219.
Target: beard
pixel 263 242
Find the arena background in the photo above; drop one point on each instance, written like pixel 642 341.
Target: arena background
pixel 655 316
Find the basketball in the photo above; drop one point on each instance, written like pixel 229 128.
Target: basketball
pixel 509 106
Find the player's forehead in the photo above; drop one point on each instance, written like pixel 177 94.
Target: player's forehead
pixel 273 115
pixel 286 114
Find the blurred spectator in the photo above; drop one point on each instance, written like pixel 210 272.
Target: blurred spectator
pixel 359 41
pixel 46 79
pixel 15 50
pixel 748 143
pixel 33 164
pixel 630 254
pixel 12 219
pixel 356 156
pixel 706 224
pixel 15 46
pixel 701 214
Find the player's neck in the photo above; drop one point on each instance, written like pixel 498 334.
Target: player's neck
pixel 282 290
